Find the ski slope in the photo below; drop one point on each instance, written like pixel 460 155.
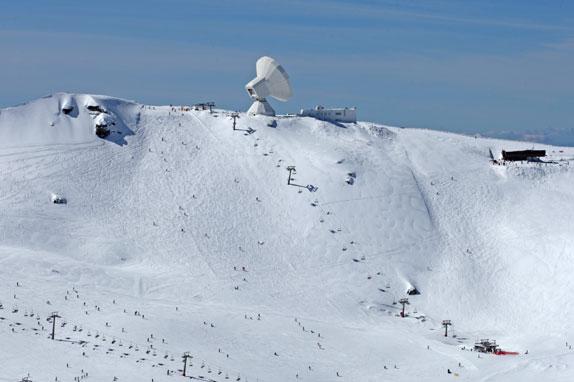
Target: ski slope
pixel 192 225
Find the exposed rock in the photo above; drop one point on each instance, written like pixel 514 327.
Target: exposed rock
pixel 412 291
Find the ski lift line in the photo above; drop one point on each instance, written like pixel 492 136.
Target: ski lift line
pixel 29 332
pixel 214 135
pixel 163 350
pixel 103 333
pixel 220 140
pixel 159 350
pixel 136 344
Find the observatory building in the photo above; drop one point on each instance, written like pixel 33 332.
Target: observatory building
pixel 347 114
pixel 271 81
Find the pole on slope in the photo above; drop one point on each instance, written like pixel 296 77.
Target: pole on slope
pixel 446 324
pixel 185 356
pixel 53 317
pixel 403 302
pixel 234 116
pixel 291 170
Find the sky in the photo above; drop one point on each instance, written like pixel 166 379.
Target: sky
pixel 489 66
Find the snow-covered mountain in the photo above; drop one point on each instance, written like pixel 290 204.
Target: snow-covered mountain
pixel 180 234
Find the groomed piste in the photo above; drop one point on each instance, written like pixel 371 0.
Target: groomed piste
pixel 177 233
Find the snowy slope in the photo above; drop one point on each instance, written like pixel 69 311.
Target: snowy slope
pixel 162 216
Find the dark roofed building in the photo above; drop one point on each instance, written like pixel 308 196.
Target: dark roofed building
pixel 522 155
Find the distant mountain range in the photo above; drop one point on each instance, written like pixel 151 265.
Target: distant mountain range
pixel 551 136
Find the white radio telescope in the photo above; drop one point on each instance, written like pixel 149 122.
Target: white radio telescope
pixel 272 80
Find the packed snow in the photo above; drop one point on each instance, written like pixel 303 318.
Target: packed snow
pixel 180 234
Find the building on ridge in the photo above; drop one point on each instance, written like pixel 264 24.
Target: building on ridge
pixel 347 114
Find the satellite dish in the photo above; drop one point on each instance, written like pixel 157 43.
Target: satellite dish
pixel 271 81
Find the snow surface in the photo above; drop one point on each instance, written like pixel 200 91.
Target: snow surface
pixel 162 216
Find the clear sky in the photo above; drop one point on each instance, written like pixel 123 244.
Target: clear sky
pixel 466 66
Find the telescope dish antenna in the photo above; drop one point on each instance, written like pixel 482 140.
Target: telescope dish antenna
pixel 271 81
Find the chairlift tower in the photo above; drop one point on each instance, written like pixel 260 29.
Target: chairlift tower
pixel 403 302
pixel 291 170
pixel 53 317
pixel 185 356
pixel 234 116
pixel 446 324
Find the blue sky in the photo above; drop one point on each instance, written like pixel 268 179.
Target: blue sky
pixel 465 66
